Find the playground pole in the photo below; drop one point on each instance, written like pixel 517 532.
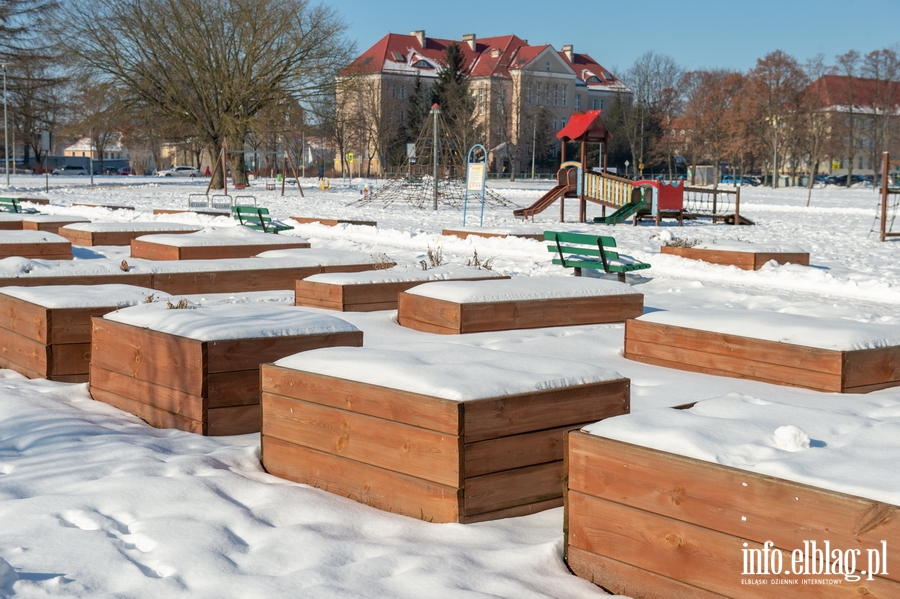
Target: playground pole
pixel 435 111
pixel 885 165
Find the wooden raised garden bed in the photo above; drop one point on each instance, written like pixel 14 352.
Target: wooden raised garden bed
pixel 333 222
pixel 487 233
pixel 646 523
pixel 746 256
pixel 11 221
pixel 107 206
pixel 373 290
pixel 46 331
pixel 519 303
pixel 34 244
pixel 90 234
pixel 211 244
pixel 206 379
pixel 398 444
pixel 50 222
pixel 737 347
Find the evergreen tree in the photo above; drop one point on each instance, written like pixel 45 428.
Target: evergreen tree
pixel 451 92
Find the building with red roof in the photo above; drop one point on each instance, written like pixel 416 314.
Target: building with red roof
pixel 515 86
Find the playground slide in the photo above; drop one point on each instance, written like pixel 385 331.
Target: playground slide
pixel 620 215
pixel 543 202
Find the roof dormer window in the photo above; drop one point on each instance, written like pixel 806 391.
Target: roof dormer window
pixel 593 79
pixel 423 64
pixel 547 66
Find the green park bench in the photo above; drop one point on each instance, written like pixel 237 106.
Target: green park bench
pixel 577 250
pixel 258 218
pixel 13 205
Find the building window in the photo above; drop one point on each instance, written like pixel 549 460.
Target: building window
pixel 556 95
pixel 860 162
pixel 537 98
pixel 547 95
pixel 480 101
pixel 528 97
pixel 565 95
pixel 401 92
pixel 594 104
pixel 601 104
pixel 577 101
pixel 547 66
pixel 393 92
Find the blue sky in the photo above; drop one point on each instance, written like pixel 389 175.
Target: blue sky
pixel 697 34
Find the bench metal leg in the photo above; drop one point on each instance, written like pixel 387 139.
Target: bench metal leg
pixel 577 271
pixel 621 277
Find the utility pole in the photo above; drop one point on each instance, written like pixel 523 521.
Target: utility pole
pixel 5 127
pixel 533 145
pixel 435 115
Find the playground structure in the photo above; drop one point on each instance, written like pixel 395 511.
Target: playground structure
pixel 221 166
pixel 437 153
pixel 630 199
pixel 886 192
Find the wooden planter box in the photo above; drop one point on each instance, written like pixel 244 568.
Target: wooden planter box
pixel 107 206
pixel 204 387
pixel 856 371
pixel 50 222
pixel 10 221
pixel 744 260
pixel 225 213
pixel 161 247
pixel 333 222
pixel 466 233
pixel 341 292
pixel 34 244
pixel 119 233
pixel 645 523
pixel 436 315
pixel 422 456
pixel 46 331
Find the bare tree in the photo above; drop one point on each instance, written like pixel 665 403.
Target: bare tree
pixel 882 68
pixel 96 114
pixel 848 68
pixel 710 98
pixel 211 64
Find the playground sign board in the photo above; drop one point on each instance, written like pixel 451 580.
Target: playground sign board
pixel 476 172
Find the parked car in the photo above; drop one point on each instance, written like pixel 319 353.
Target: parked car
pixel 179 171
pixel 127 170
pixel 734 180
pixel 69 169
pixel 842 180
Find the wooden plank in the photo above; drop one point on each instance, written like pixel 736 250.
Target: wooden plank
pixel 230 389
pixel 737 502
pixel 394 446
pixel 333 222
pixel 622 579
pixel 73 325
pixel 150 250
pixel 246 354
pixel 761 258
pixel 428 315
pixel 150 355
pixel 510 488
pixel 51 226
pixel 488 234
pixel 373 486
pixel 436 414
pixel 152 415
pixel 165 398
pixel 691 554
pixel 540 410
pixel 69 358
pixel 123 278
pixel 44 250
pixel 24 355
pixel 24 318
pixel 231 281
pixel 529 314
pixel 11 225
pixel 735 367
pixel 515 511
pixel 869 367
pixel 192 210
pixel 108 206
pixel 515 451
pixel 743 260
pixel 235 420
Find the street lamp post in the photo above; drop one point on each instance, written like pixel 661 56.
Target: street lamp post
pixel 5 127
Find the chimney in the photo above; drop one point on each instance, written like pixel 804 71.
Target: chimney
pixel 469 38
pixel 420 35
pixel 495 52
pixel 567 50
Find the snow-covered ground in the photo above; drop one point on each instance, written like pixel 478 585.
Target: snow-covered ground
pixel 94 503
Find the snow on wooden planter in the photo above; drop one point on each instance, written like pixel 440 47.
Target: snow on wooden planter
pixel 376 289
pixel 46 330
pixel 650 514
pixel 34 244
pixel 748 256
pixel 50 222
pixel 212 243
pixel 441 432
pixel 90 234
pixel 269 271
pixel 333 222
pixel 518 303
pixel 465 233
pixel 825 354
pixel 11 221
pixel 198 369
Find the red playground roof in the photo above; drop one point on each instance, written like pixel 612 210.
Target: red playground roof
pixel 585 126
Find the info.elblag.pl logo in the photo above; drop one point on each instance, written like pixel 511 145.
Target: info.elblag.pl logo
pixel 815 559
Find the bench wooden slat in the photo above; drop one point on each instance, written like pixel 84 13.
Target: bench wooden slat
pixel 13 205
pixel 257 218
pixel 587 249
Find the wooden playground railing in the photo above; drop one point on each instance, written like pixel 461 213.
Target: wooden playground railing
pixel 704 201
pixel 608 189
